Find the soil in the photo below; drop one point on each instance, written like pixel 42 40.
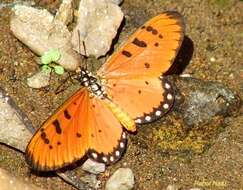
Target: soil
pixel 216 29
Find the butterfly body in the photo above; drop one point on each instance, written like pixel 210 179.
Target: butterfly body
pixel 129 88
pixel 93 84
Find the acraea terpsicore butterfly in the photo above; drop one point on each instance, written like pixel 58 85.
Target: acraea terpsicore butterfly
pixel 129 88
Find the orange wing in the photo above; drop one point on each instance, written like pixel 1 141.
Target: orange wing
pixel 150 51
pixel 82 124
pixel 146 99
pixel 133 75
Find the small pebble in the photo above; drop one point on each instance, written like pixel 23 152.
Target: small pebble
pixel 172 187
pixel 93 167
pixel 212 59
pixel 39 80
pixel 117 2
pixel 122 179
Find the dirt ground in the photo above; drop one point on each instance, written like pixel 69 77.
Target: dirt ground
pixel 216 30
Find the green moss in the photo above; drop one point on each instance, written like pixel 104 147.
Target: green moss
pixel 222 3
pixel 179 139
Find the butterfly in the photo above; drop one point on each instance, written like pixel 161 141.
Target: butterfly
pixel 128 89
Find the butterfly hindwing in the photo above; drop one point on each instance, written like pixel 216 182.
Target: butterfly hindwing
pixel 150 51
pixel 107 139
pixel 82 124
pixel 146 99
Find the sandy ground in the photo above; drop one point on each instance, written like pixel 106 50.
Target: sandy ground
pixel 216 30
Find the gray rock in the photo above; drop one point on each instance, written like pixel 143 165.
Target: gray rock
pixel 91 180
pixel 14 124
pixel 97 25
pixel 93 167
pixel 200 101
pixel 38 29
pixel 122 179
pixel 65 12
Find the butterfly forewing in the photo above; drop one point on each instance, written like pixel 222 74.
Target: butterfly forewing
pixel 150 51
pixel 134 75
pixel 55 144
pixel 82 124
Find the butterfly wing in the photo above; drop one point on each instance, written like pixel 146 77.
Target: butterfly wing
pixel 133 74
pixel 150 51
pixel 146 99
pixel 107 139
pixel 82 124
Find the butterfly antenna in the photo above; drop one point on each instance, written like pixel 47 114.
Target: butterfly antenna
pixel 79 46
pixel 86 65
pixel 60 88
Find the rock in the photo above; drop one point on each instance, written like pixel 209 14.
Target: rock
pixel 16 2
pixel 200 101
pixel 9 182
pixel 172 187
pixel 14 124
pixel 39 80
pixel 65 12
pixel 38 29
pixel 93 167
pixel 87 181
pixel 91 180
pixel 98 22
pixel 122 179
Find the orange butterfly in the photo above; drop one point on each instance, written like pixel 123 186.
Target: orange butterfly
pixel 129 88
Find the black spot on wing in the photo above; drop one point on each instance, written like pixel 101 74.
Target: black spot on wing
pixel 154 32
pixel 149 28
pixel 139 43
pixel 126 53
pixel 58 128
pixel 46 141
pixel 66 114
pixel 43 135
pixel 147 65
